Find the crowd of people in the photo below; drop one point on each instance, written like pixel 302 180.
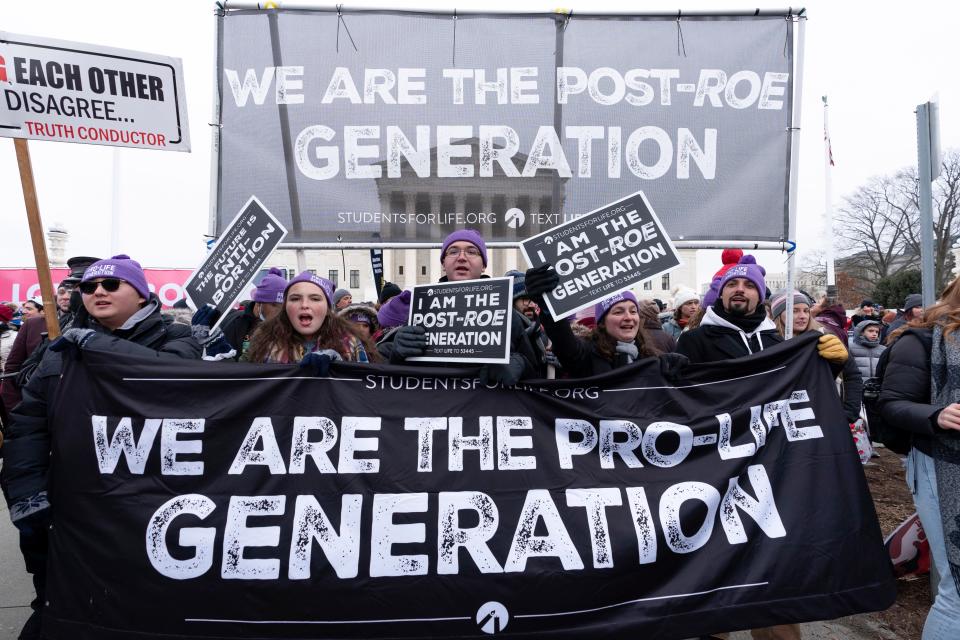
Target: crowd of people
pixel 106 304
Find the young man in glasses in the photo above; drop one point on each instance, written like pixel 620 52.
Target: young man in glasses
pixel 120 315
pixel 464 257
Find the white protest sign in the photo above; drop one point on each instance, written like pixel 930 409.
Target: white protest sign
pixel 76 92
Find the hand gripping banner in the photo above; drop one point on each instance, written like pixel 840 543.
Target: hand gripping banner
pixel 385 126
pixel 209 500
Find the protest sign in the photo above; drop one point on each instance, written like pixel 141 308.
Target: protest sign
pixel 77 92
pixel 466 321
pixel 376 264
pixel 515 125
pixel 606 251
pixel 236 258
pixel 232 500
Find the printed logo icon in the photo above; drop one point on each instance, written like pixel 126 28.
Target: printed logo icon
pixel 515 218
pixel 548 240
pixel 492 617
pixel 429 292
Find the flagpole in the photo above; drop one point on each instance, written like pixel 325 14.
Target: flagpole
pixel 828 202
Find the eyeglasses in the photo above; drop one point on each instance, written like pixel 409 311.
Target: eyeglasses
pixel 108 284
pixel 454 252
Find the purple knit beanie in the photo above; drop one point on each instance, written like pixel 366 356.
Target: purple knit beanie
pixel 749 269
pixel 122 268
pixel 271 287
pixel 604 305
pixel 466 235
pixel 396 311
pixel 713 292
pixel 325 285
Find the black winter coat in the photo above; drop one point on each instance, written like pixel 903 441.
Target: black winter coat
pixel 239 326
pixel 712 342
pixel 905 395
pixel 579 358
pixel 27 445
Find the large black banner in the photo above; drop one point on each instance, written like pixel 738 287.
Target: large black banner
pixel 217 500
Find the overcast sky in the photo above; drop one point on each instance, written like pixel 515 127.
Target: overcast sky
pixel 876 61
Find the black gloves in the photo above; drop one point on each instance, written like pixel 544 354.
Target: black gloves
pixel 540 280
pixel 205 317
pixel 318 362
pixel 506 374
pixel 72 338
pixel 31 514
pixel 410 341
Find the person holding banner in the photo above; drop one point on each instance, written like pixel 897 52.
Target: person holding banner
pixel 920 393
pixel 308 330
pixel 267 301
pixel 119 315
pixel 851 380
pixel 618 340
pixel 737 325
pixel 464 257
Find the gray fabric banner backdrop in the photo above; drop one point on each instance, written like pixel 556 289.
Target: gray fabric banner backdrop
pixel 389 126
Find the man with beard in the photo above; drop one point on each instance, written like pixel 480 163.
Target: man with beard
pixel 522 302
pixel 737 325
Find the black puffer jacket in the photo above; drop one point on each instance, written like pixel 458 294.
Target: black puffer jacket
pixel 27 445
pixel 905 394
pixel 717 339
pixel 580 358
pixel 239 326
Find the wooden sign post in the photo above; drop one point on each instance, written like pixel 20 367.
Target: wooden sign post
pixel 36 237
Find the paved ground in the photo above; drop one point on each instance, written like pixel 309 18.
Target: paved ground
pixel 16 589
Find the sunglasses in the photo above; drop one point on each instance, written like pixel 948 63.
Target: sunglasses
pixel 108 284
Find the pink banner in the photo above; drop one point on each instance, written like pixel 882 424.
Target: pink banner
pixel 18 285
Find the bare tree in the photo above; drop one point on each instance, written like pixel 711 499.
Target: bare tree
pixel 872 227
pixel 878 227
